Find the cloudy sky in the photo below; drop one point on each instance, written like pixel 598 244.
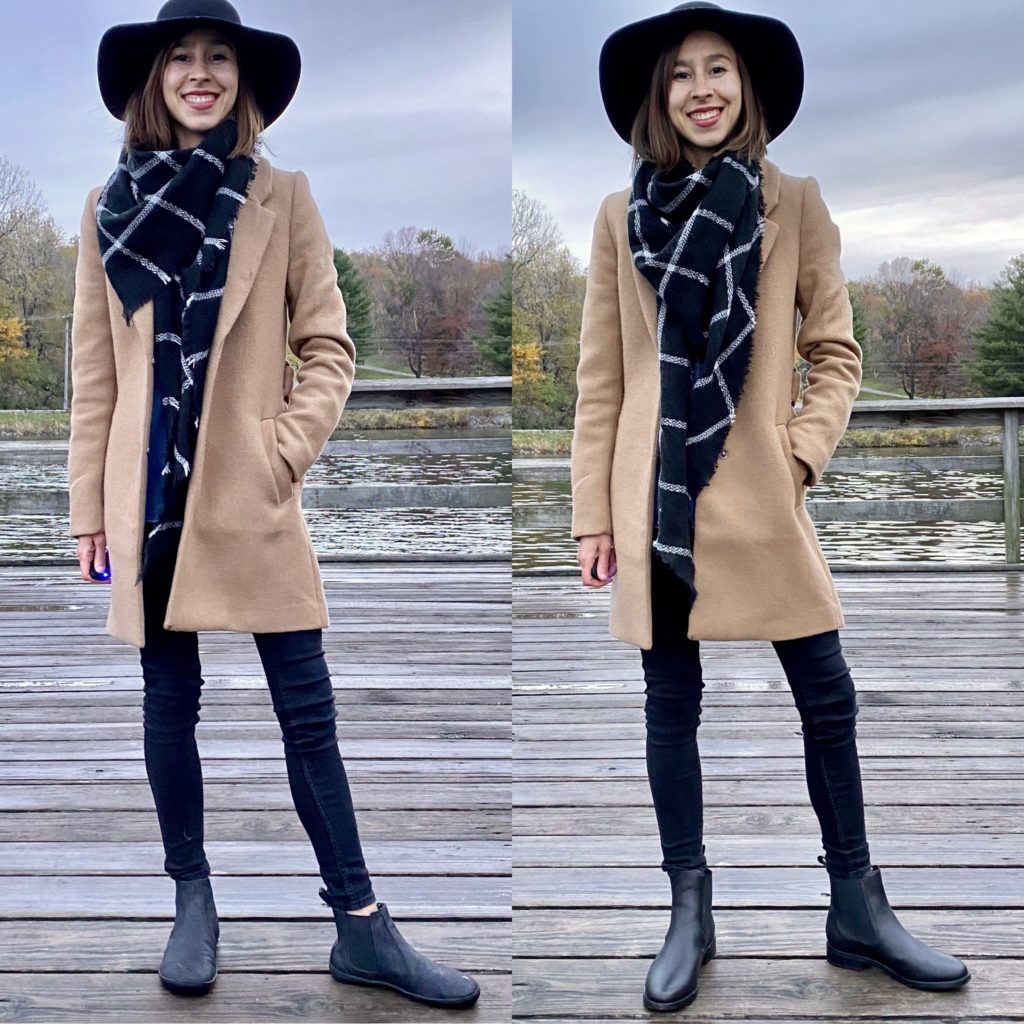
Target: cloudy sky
pixel 912 121
pixel 402 114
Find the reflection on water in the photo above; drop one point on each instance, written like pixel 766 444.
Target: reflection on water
pixel 336 531
pixel 413 531
pixel 45 468
pixel 841 542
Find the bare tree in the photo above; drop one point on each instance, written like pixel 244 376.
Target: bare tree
pixel 534 231
pixel 20 200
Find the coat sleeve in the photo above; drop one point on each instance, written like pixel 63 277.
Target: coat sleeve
pixel 93 381
pixel 599 387
pixel 316 334
pixel 825 339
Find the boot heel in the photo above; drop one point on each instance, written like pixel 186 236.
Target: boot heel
pixel 847 960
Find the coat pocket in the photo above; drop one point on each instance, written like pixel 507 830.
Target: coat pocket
pixel 797 469
pixel 279 468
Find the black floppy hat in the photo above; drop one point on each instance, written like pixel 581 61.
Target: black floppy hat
pixel 271 61
pixel 767 45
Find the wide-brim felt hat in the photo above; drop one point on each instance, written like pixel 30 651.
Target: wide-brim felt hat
pixel 270 61
pixel 768 48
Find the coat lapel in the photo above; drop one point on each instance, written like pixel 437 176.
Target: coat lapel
pixel 770 187
pixel 249 239
pixel 770 178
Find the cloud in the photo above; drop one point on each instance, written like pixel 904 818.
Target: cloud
pixel 909 121
pixel 402 115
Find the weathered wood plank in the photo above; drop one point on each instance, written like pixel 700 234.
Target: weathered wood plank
pixel 760 792
pixel 131 749
pixel 242 795
pixel 759 931
pixel 137 944
pixel 248 996
pixel 917 771
pixel 269 896
pixel 134 826
pixel 266 770
pixel 741 988
pixel 908 849
pixel 763 887
pixel 255 857
pixel 768 821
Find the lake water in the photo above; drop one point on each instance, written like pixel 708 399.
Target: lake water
pixel 488 532
pixel 870 542
pixel 432 531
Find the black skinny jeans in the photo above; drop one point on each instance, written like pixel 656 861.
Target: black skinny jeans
pixel 303 701
pixel 827 703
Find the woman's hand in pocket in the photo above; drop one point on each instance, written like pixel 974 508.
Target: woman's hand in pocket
pixel 596 557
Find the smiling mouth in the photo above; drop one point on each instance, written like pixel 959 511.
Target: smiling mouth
pixel 201 99
pixel 703 116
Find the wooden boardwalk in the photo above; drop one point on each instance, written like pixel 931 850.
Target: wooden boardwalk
pixel 419 655
pixel 939 664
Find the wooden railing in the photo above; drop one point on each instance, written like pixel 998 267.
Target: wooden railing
pixel 1004 413
pixel 438 392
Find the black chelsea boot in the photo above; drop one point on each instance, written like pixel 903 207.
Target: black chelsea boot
pixel 370 950
pixel 189 965
pixel 862 931
pixel 689 942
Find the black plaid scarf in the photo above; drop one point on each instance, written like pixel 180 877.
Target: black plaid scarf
pixel 165 220
pixel 696 236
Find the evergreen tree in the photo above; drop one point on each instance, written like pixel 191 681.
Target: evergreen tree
pixel 358 304
pixel 999 369
pixel 860 324
pixel 496 348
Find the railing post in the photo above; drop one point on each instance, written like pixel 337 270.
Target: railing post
pixel 1011 483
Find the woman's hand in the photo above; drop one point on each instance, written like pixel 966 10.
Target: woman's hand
pixel 596 556
pixel 90 546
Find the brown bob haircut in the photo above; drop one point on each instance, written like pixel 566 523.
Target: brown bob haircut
pixel 655 138
pixel 148 123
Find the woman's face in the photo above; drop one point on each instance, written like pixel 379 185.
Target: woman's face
pixel 200 84
pixel 705 96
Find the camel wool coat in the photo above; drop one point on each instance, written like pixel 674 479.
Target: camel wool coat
pixel 245 561
pixel 759 570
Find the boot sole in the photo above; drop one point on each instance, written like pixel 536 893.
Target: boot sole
pixel 677 1004
pixel 454 1003
pixel 853 962
pixel 199 989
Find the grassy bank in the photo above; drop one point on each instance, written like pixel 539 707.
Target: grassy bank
pixel 53 426
pixel 558 442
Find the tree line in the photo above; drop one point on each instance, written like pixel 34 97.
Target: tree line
pixel 925 333
pixel 417 304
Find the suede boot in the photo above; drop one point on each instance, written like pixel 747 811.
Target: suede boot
pixel 689 942
pixel 370 950
pixel 189 965
pixel 862 931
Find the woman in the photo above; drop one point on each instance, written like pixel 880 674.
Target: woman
pixel 178 347
pixel 689 465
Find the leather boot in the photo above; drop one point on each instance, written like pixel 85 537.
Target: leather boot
pixel 189 965
pixel 370 950
pixel 862 931
pixel 689 942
